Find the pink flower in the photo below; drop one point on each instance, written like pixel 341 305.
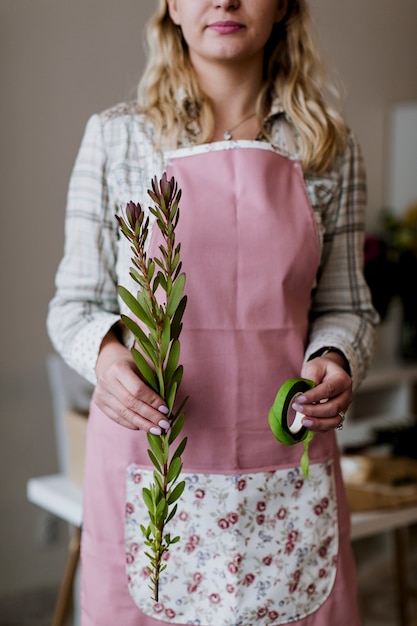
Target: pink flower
pixel 214 598
pixel 248 580
pixel 282 513
pixel 145 573
pixel 299 483
pixel 134 548
pixel 192 588
pixel 260 519
pixel 129 558
pixel 233 568
pixel 267 560
pixel 318 509
pixel 197 577
pixel 273 615
pixel 322 573
pixel 223 523
pixel 293 587
pixel 292 536
pixel 232 517
pixel 170 613
pixel 230 588
pixel 323 552
pixel 158 607
pixel 137 478
pixel 289 547
pixel 262 612
pixel 183 516
pixel 325 503
pixel 237 558
pixel 241 484
pixel 311 589
pixel 199 493
pixel 297 575
pixel 129 508
pixel 261 506
pixel 189 548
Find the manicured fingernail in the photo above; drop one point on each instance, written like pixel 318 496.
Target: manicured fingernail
pixel 297 407
pixel 307 423
pixel 164 424
pixel 164 410
pixel 155 431
pixel 301 399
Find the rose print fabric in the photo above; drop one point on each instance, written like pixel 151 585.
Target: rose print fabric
pixel 260 548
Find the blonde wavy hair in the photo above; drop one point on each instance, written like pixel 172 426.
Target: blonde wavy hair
pixel 170 96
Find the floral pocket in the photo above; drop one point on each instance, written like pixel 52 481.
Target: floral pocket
pixel 255 548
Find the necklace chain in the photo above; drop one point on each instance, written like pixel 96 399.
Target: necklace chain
pixel 227 134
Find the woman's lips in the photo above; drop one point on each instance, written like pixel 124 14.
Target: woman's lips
pixel 226 27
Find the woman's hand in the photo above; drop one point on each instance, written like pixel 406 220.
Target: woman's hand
pixel 122 395
pixel 324 406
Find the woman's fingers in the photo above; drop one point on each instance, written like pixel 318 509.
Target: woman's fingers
pixel 323 405
pixel 122 394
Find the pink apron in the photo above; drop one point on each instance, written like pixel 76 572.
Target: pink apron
pixel 259 544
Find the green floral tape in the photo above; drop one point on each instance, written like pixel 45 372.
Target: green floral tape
pixel 286 431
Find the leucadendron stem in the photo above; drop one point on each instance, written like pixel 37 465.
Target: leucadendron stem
pixel 156 354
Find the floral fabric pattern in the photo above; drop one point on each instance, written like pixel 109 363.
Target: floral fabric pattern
pixel 255 548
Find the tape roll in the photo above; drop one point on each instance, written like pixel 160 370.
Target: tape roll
pixel 285 430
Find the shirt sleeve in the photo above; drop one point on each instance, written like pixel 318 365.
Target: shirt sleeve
pixel 342 315
pixel 85 304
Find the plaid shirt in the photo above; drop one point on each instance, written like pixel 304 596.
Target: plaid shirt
pixel 115 164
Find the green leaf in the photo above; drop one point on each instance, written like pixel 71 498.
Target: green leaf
pixel 145 370
pixel 176 325
pixel 145 302
pixel 158 479
pixel 172 361
pixel 176 295
pixel 154 459
pixel 144 530
pixel 137 276
pixel 172 514
pixel 305 461
pixel 170 399
pixel 140 337
pixel 177 375
pixel 174 469
pixel 147 498
pixel 180 449
pixel 176 427
pixel 162 280
pixel 165 338
pixel 151 270
pixel 162 509
pixel 155 442
pixel 176 493
pixel 134 306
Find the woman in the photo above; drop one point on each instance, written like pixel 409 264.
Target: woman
pixel 272 216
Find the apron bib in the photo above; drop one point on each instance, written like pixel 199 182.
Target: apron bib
pixel 259 544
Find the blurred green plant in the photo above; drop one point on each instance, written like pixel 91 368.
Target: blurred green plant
pixel 157 355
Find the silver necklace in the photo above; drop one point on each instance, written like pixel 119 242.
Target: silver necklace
pixel 227 134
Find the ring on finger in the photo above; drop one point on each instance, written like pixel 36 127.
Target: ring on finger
pixel 342 416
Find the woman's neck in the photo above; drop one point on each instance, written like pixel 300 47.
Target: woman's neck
pixel 233 95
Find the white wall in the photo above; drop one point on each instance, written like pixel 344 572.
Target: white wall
pixel 60 62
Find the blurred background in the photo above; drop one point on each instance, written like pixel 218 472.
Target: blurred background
pixel 62 61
